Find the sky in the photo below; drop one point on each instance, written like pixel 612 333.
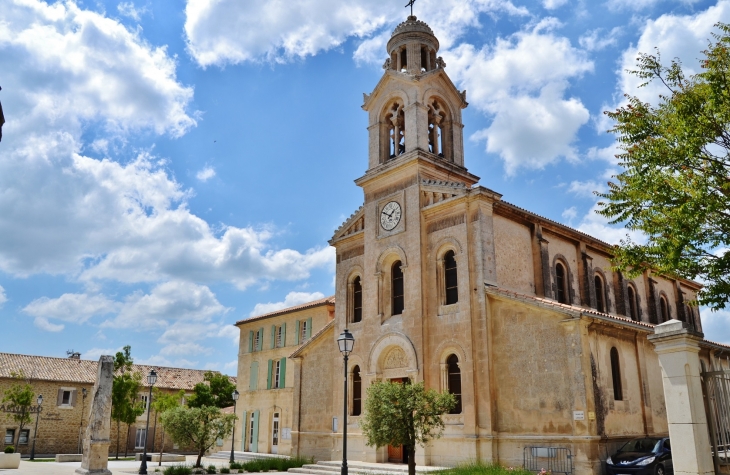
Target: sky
pixel 169 168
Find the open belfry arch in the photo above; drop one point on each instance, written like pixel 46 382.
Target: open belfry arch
pixel 442 281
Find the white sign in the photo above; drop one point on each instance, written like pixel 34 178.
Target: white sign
pixel 579 416
pixel 286 433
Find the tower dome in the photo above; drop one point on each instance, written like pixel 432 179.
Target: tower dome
pixel 413 47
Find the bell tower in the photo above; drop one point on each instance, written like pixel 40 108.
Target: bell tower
pixel 415 106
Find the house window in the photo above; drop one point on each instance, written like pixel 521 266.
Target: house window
pixel 145 400
pixel 140 438
pixel 454 381
pixel 397 288
pixel 66 398
pixel 561 283
pixel 304 329
pixel 633 307
pixel 24 436
pixel 664 309
pixel 616 375
pixel 280 337
pixel 9 436
pixel 450 279
pixel 277 374
pixel 600 294
pixel 356 300
pixel 257 341
pixel 356 391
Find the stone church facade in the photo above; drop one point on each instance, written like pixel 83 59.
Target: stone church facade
pixel 442 281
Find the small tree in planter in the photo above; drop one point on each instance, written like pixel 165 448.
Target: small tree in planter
pixel 404 414
pixel 199 427
pixel 162 402
pixel 21 397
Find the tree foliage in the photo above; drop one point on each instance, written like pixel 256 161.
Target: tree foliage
pixel 21 396
pixel 162 402
pixel 675 186
pixel 404 414
pixel 198 427
pixel 217 391
pixel 126 406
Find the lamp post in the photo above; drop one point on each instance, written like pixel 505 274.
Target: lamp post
pixel 35 433
pixel 81 422
pixel 233 435
pixel 151 380
pixel 346 342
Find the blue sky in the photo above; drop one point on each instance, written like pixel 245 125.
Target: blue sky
pixel 168 168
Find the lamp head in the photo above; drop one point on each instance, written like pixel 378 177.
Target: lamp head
pixel 346 342
pixel 152 378
pixel 235 395
pixel 40 399
pixel 83 392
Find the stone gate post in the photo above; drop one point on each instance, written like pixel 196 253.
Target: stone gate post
pixel 678 349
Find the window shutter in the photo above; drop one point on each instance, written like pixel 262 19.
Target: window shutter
pixel 273 336
pixel 282 373
pixel 243 432
pixel 283 334
pixel 254 376
pixel 268 378
pixel 255 441
pixel 261 339
pixel 73 398
pixel 297 335
pixel 309 328
pixel 250 342
pixel 59 397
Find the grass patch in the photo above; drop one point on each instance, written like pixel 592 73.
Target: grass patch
pixel 267 464
pixel 481 468
pixel 178 470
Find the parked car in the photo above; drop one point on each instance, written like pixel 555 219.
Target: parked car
pixel 645 456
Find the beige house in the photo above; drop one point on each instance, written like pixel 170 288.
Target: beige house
pixel 442 281
pixel 66 385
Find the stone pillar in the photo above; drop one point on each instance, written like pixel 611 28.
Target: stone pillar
pixel 678 350
pixel 97 439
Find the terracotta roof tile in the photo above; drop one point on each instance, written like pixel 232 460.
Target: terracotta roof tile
pixel 70 370
pixel 314 303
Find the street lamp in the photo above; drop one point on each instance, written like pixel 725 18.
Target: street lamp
pixel 233 435
pixel 81 422
pixel 346 342
pixel 35 433
pixel 151 380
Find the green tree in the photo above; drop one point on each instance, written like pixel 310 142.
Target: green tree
pixel 404 414
pixel 198 427
pixel 675 184
pixel 162 402
pixel 216 391
pixel 21 396
pixel 126 406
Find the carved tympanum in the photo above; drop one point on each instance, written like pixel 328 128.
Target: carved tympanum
pixel 396 358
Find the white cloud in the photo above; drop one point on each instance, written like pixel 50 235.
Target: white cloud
pixel 44 324
pixel 598 226
pixel 74 308
pixel 587 188
pixel 185 349
pixel 95 353
pixel 570 214
pixel 553 4
pixel 716 325
pixel 291 299
pixel 3 297
pixel 640 4
pixel 230 31
pixel 128 9
pixel 521 81
pixel 596 40
pixel 205 174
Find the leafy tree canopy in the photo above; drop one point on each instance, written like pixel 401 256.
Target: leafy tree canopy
pixel 199 427
pixel 20 394
pixel 404 414
pixel 217 391
pixel 126 405
pixel 675 187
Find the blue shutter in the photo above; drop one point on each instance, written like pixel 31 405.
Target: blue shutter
pixel 282 373
pixel 255 438
pixel 243 432
pixel 273 336
pixel 250 342
pixel 268 378
pixel 298 333
pixel 254 377
pixel 283 334
pixel 309 328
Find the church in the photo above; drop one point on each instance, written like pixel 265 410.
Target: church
pixel 440 280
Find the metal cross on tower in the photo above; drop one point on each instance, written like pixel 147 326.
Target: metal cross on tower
pixel 410 4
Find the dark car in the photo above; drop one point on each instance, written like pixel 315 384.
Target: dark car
pixel 645 456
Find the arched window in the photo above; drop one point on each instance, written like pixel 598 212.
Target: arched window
pixel 436 130
pixel 395 130
pixel 663 309
pixel 356 300
pixel 600 294
pixel 356 391
pixel 450 279
pixel 397 288
pixel 561 283
pixel 618 394
pixel 633 306
pixel 454 375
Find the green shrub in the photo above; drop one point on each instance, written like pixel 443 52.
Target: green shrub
pixel 9 449
pixel 278 464
pixel 211 469
pixel 225 470
pixel 236 465
pixel 178 470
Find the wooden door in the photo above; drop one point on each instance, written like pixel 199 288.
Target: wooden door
pixel 395 454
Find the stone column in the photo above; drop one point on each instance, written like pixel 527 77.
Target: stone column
pixel 97 439
pixel 678 350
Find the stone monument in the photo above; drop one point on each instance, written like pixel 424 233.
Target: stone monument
pixel 97 438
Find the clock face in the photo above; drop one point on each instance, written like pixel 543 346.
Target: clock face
pixel 390 216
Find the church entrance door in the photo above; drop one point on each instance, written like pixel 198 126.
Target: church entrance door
pixel 397 454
